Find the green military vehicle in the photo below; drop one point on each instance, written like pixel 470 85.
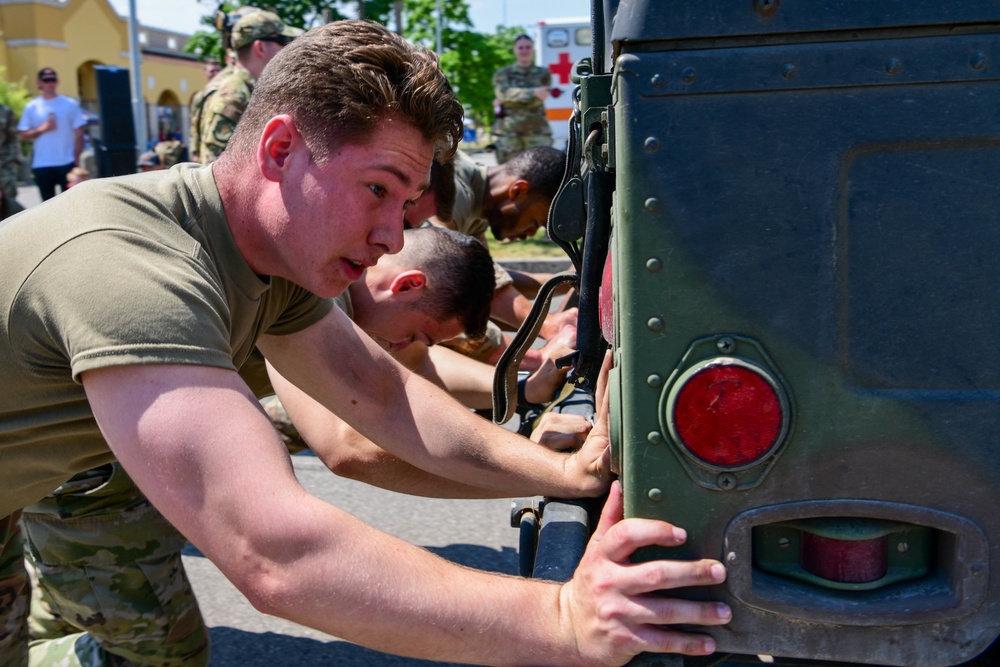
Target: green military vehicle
pixel 784 222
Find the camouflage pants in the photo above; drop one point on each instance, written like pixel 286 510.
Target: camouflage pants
pixel 509 145
pixel 111 587
pixel 13 595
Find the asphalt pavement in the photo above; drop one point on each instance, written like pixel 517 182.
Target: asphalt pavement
pixel 475 533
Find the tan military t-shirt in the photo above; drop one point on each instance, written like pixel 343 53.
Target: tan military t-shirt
pixel 120 271
pixel 467 214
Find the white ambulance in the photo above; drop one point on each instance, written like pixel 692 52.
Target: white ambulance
pixel 559 44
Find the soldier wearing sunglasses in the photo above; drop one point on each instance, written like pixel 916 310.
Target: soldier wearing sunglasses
pixel 256 37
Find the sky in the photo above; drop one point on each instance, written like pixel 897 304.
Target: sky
pixel 183 15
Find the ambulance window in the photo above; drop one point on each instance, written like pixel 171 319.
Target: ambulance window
pixel 557 38
pixel 583 36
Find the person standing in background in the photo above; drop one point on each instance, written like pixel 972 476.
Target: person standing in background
pixel 520 91
pixel 10 162
pixel 55 124
pixel 212 67
pixel 256 37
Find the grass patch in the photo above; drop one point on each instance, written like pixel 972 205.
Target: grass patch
pixel 537 247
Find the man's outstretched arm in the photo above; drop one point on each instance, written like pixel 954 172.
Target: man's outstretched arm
pixel 346 372
pixel 196 442
pixel 350 454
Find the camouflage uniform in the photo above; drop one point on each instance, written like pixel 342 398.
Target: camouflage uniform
pixel 523 123
pixel 197 104
pixel 111 586
pixel 226 96
pixel 13 594
pixel 467 217
pixel 10 161
pixel 225 99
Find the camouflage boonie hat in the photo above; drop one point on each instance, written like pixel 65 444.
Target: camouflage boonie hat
pixel 261 25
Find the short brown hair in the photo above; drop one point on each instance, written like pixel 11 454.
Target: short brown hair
pixel 460 277
pixel 340 80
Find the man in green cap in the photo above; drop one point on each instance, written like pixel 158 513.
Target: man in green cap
pixel 256 37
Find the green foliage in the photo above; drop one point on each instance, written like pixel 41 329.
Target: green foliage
pixel 13 93
pixel 469 58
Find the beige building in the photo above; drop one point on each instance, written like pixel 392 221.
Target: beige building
pixel 74 36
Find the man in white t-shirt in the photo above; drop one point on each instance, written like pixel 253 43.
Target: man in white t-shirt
pixel 55 124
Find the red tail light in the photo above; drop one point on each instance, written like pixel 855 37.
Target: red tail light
pixel 727 414
pixel 844 561
pixel 605 297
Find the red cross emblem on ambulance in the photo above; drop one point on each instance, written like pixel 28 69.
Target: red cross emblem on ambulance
pixel 562 68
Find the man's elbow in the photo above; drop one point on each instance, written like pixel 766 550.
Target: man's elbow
pixel 268 571
pixel 352 465
pixel 348 454
pixel 268 591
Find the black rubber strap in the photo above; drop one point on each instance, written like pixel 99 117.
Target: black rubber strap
pixel 505 377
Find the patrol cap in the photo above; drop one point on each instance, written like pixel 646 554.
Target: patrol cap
pixel 47 73
pixel 261 25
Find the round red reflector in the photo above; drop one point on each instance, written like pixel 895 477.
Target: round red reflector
pixel 728 415
pixel 844 561
pixel 605 298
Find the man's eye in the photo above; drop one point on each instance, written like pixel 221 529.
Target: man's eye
pixel 377 190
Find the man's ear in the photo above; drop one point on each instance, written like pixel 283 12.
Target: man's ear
pixel 410 283
pixel 257 47
pixel 279 140
pixel 518 189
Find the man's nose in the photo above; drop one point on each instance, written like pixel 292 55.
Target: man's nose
pixel 389 234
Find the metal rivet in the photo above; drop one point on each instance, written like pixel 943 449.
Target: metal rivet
pixel 652 144
pixel 979 61
pixel 655 324
pixel 733 558
pixel 726 345
pixel 654 438
pixel 658 81
pixel 766 6
pixel 789 71
pixel 726 481
pixel 689 74
pixel 655 495
pixel 902 547
pixel 654 264
pixel 784 543
pixel 654 380
pixel 893 66
pixel 652 204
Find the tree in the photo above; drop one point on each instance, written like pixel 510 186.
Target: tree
pixel 13 93
pixel 469 65
pixel 469 58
